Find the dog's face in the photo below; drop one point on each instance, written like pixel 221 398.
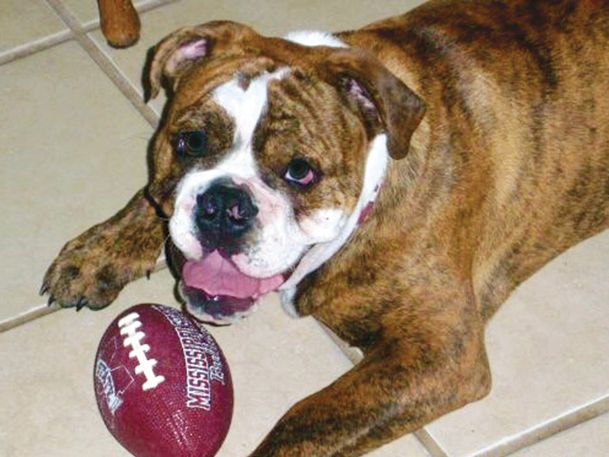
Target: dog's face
pixel 269 156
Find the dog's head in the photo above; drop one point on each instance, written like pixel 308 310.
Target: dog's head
pixel 269 156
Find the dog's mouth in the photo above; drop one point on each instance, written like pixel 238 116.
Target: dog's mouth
pixel 218 292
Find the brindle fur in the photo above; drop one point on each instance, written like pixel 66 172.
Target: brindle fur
pixel 508 168
pixel 93 268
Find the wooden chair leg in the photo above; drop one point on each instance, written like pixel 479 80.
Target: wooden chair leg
pixel 120 22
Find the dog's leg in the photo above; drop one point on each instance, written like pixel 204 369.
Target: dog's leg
pixel 120 22
pixel 91 269
pixel 419 370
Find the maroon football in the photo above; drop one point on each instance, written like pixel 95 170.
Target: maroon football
pixel 162 384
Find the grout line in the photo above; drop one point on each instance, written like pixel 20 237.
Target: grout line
pixel 545 430
pixel 27 316
pixel 429 443
pixel 43 310
pixel 33 47
pixel 104 63
pixel 354 354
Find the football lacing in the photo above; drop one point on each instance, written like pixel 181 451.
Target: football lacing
pixel 129 326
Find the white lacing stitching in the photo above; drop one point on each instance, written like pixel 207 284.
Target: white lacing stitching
pixel 129 326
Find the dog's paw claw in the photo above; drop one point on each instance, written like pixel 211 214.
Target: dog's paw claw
pixel 92 269
pixel 75 281
pixel 81 303
pixel 43 289
pixel 51 301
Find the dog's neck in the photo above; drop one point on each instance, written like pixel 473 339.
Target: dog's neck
pixel 374 176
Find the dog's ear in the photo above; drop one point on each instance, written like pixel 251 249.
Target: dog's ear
pixel 179 51
pixel 379 95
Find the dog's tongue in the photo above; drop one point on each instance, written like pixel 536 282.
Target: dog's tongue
pixel 217 275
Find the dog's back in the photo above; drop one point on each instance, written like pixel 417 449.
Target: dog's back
pixel 520 89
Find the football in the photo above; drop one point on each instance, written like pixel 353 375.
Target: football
pixel 162 384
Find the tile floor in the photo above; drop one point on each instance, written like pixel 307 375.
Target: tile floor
pixel 72 126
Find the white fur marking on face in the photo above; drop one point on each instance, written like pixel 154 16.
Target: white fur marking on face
pixel 376 167
pixel 313 38
pixel 323 225
pixel 245 107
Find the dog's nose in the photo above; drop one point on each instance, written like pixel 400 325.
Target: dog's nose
pixel 224 213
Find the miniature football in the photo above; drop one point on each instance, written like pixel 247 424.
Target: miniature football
pixel 162 384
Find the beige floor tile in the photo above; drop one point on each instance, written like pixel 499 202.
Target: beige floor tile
pixel 72 151
pixel 48 405
pixel 548 352
pixel 590 439
pixel 25 21
pixel 274 17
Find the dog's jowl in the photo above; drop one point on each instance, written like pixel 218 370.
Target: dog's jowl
pixel 397 182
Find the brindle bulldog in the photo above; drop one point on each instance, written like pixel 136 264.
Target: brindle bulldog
pixel 396 182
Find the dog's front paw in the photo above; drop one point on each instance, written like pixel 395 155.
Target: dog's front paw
pixel 92 269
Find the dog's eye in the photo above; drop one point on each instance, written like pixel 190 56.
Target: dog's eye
pixel 300 173
pixel 192 143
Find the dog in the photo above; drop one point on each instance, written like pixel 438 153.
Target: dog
pixel 397 182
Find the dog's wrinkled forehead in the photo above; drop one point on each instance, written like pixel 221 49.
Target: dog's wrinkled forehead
pixel 207 76
pixel 245 99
